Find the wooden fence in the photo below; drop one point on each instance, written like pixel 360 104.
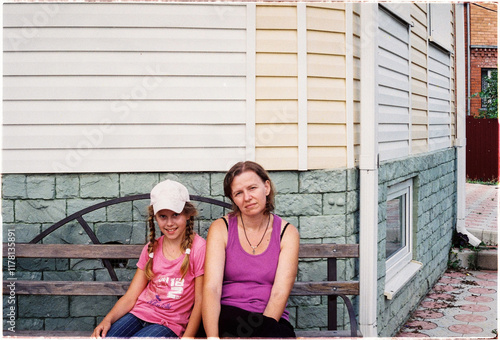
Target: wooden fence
pixel 482 149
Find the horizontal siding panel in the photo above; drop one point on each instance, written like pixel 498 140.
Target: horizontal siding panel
pixel 276 88
pixel 393 97
pixel 439 80
pixel 438 131
pixel 283 41
pixel 125 15
pixel 267 135
pixel 439 105
pixel 123 112
pixel 419 88
pixel 273 64
pixel 325 89
pixel 418 102
pixel 419 132
pixel 326 112
pixel 389 78
pixel 287 160
pixel 323 19
pixel 325 42
pixel 419 117
pixel 395 27
pixel 439 93
pixel 276 17
pixel 419 58
pixel 126 39
pixel 439 143
pixel 116 88
pixel 323 65
pixel 124 63
pixel 326 157
pixel 326 135
pixel 439 118
pixel 121 160
pixel 121 136
pixel 393 132
pixel 419 146
pixel 393 150
pixel 276 111
pixel 392 61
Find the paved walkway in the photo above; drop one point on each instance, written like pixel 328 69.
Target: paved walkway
pixel 463 304
pixel 481 217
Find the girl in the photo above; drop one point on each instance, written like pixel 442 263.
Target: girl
pixel 252 258
pixel 164 297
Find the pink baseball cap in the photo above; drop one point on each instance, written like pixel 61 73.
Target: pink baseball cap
pixel 169 195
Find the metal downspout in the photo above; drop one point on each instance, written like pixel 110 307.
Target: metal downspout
pixel 368 172
pixel 460 142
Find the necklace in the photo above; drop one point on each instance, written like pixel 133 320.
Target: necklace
pixel 245 232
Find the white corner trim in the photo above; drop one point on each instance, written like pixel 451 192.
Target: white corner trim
pixel 398 281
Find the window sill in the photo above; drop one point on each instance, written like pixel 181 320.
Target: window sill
pixel 398 281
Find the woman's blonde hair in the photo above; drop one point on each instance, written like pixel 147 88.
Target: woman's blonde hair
pixel 190 211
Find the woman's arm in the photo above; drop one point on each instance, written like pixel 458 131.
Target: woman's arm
pixel 285 273
pixel 195 317
pixel 123 305
pixel 214 273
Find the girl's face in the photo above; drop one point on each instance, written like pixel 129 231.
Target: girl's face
pixel 249 192
pixel 171 224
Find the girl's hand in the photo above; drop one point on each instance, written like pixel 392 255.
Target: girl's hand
pixel 101 330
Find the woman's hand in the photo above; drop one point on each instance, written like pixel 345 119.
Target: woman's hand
pixel 101 330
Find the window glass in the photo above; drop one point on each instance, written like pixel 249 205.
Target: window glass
pixel 396 238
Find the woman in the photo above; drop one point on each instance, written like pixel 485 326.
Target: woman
pixel 251 261
pixel 164 297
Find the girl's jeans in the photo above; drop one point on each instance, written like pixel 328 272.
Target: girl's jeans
pixel 130 325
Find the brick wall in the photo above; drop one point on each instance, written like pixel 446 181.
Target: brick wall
pixel 483 24
pixel 480 58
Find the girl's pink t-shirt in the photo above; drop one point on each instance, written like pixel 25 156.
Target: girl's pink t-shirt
pixel 168 299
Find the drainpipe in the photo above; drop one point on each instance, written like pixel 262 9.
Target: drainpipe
pixel 468 58
pixel 460 142
pixel 368 172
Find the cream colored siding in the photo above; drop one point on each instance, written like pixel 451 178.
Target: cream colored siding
pixel 418 41
pixel 124 87
pixel 356 51
pixel 326 86
pixel 276 116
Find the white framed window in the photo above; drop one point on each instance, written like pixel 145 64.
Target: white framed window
pixel 400 266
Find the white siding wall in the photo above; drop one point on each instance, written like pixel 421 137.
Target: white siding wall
pixel 124 87
pixel 393 87
pixel 439 98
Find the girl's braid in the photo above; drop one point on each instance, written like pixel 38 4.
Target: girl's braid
pixel 152 242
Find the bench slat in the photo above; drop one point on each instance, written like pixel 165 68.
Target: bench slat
pixel 326 288
pixel 117 288
pixel 329 250
pixel 76 251
pixel 122 251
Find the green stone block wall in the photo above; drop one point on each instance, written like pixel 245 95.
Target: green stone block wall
pixel 322 204
pixel 434 219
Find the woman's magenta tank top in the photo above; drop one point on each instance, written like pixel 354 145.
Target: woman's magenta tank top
pixel 248 279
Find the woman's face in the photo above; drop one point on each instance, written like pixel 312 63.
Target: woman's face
pixel 249 193
pixel 171 224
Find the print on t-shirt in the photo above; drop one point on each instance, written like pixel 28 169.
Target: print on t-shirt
pixel 163 288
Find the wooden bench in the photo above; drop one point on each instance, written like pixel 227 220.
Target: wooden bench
pixel 107 252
